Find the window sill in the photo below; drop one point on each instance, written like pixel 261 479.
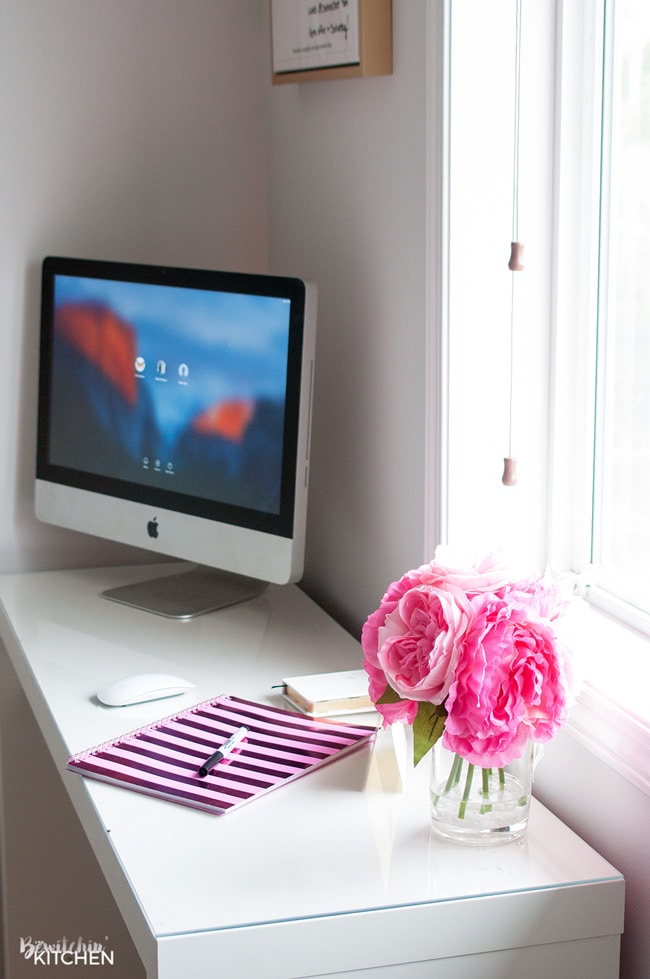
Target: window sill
pixel 612 715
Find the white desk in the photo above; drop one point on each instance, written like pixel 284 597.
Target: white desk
pixel 328 875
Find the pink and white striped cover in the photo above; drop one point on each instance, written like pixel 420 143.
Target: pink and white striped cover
pixel 163 758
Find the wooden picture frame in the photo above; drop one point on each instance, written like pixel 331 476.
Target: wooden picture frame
pixel 366 50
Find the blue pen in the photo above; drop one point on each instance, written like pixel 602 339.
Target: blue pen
pixel 223 751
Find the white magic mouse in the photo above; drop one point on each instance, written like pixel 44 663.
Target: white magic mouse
pixel 142 687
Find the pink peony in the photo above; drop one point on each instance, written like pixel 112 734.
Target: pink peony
pixel 486 575
pixel 472 646
pixel 419 644
pixel 370 632
pixel 509 684
pixel 411 643
pixel 538 594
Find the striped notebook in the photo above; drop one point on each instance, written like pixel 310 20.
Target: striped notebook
pixel 163 759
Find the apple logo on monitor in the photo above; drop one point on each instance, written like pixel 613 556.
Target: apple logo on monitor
pixel 152 527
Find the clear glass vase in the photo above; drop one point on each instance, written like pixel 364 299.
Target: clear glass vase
pixel 480 805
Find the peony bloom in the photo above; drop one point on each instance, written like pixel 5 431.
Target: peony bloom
pixel 419 644
pixel 486 575
pixel 468 653
pixel 370 632
pixel 509 685
pixel 411 644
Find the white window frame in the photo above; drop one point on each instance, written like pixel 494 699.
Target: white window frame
pixel 612 717
pixel 576 289
pixel 573 338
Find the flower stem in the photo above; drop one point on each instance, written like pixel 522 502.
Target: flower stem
pixel 487 775
pixel 454 774
pixel 468 786
pixel 486 772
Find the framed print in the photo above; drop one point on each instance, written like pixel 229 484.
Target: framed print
pixel 313 40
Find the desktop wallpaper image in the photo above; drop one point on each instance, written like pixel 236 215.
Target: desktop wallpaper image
pixel 179 388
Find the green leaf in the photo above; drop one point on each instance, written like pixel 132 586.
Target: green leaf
pixel 389 696
pixel 428 726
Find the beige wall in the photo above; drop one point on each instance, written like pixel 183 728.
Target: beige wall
pixel 348 197
pixel 132 130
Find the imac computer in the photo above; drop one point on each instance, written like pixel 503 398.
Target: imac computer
pixel 174 415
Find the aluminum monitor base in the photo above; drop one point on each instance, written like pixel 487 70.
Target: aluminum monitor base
pixel 186 594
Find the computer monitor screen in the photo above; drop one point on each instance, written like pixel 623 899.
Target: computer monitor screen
pixel 174 410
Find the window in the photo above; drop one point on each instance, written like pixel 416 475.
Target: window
pixel 620 540
pixel 600 368
pixel 601 493
pixel 580 361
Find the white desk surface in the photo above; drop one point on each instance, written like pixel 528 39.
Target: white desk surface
pixel 322 851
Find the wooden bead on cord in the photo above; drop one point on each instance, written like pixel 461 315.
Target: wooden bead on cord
pixel 516 263
pixel 509 477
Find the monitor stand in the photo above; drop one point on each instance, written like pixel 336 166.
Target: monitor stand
pixel 187 594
